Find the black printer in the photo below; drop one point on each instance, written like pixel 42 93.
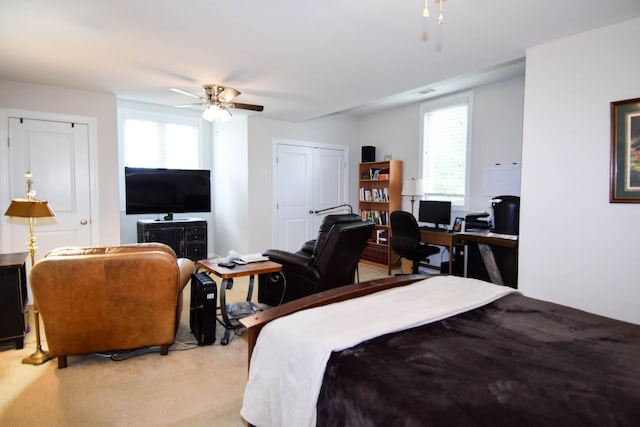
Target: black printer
pixel 477 221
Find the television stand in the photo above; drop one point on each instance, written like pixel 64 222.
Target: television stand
pixel 186 236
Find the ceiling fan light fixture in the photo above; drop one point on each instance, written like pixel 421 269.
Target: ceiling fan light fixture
pixel 216 112
pixel 426 14
pixel 209 114
pixel 217 101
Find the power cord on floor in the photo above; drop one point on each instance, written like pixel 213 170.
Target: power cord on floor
pixel 119 356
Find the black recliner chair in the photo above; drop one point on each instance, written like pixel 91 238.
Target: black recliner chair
pixel 327 262
pixel 405 239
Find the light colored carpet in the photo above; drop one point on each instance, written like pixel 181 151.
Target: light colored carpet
pixel 198 386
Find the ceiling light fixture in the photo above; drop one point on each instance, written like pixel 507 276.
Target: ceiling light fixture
pixel 426 14
pixel 216 112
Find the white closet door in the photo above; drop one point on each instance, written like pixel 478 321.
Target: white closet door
pixel 308 178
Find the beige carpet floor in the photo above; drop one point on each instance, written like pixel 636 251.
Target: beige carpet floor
pixel 192 386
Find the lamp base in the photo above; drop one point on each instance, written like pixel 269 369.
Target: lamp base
pixel 37 358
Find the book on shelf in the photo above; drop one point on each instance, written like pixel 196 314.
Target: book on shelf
pixel 374 194
pixel 373 174
pixel 377 217
pixel 382 236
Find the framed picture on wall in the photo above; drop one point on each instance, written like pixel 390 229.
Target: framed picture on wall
pixel 625 152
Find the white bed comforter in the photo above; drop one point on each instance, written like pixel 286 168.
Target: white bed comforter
pixel 291 353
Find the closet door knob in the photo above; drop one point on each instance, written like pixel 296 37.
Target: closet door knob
pixel 83 222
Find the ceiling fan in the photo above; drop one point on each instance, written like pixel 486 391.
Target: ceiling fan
pixel 217 100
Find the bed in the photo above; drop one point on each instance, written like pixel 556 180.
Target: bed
pixel 498 358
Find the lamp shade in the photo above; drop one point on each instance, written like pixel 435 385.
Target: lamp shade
pixel 216 112
pixel 409 187
pixel 29 208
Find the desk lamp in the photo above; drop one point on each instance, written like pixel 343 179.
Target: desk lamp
pixel 31 209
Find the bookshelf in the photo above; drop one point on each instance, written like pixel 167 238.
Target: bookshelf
pixel 379 187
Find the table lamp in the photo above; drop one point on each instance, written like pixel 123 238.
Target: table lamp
pixel 31 209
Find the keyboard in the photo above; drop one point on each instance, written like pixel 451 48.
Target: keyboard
pixel 426 228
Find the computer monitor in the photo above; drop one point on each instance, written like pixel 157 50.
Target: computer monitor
pixel 436 212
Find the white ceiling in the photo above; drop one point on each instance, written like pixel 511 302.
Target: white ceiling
pixel 300 59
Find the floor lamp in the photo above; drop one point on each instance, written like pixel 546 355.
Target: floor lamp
pixel 31 209
pixel 409 188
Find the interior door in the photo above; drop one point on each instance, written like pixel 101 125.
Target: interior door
pixel 294 195
pixel 329 179
pixel 308 179
pixel 57 155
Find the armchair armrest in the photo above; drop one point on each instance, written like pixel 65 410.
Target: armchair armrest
pixel 301 277
pixel 286 256
pixel 294 262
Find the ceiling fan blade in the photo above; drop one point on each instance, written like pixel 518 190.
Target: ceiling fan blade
pixel 227 94
pixel 184 92
pixel 242 106
pixel 195 104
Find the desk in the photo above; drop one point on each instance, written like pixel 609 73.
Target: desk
pixel 440 238
pixel 230 313
pixel 485 241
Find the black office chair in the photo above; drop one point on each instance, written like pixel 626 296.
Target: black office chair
pixel 405 239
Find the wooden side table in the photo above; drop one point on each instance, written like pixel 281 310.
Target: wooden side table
pixel 13 297
pixel 230 313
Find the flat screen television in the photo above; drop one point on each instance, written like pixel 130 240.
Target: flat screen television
pixel 436 212
pixel 166 191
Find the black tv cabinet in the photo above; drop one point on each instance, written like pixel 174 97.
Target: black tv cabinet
pixel 186 236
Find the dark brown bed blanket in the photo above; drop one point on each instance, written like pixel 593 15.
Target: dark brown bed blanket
pixel 515 362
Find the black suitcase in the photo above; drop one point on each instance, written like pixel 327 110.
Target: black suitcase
pixel 202 316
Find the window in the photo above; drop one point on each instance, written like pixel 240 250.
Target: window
pixel 148 143
pixel 150 139
pixel 445 149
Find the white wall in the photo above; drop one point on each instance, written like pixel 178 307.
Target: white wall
pixel 230 188
pixel 394 132
pixel 496 135
pixel 100 107
pixel 337 130
pixel 575 247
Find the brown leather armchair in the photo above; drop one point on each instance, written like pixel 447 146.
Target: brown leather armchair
pixel 107 298
pixel 324 263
